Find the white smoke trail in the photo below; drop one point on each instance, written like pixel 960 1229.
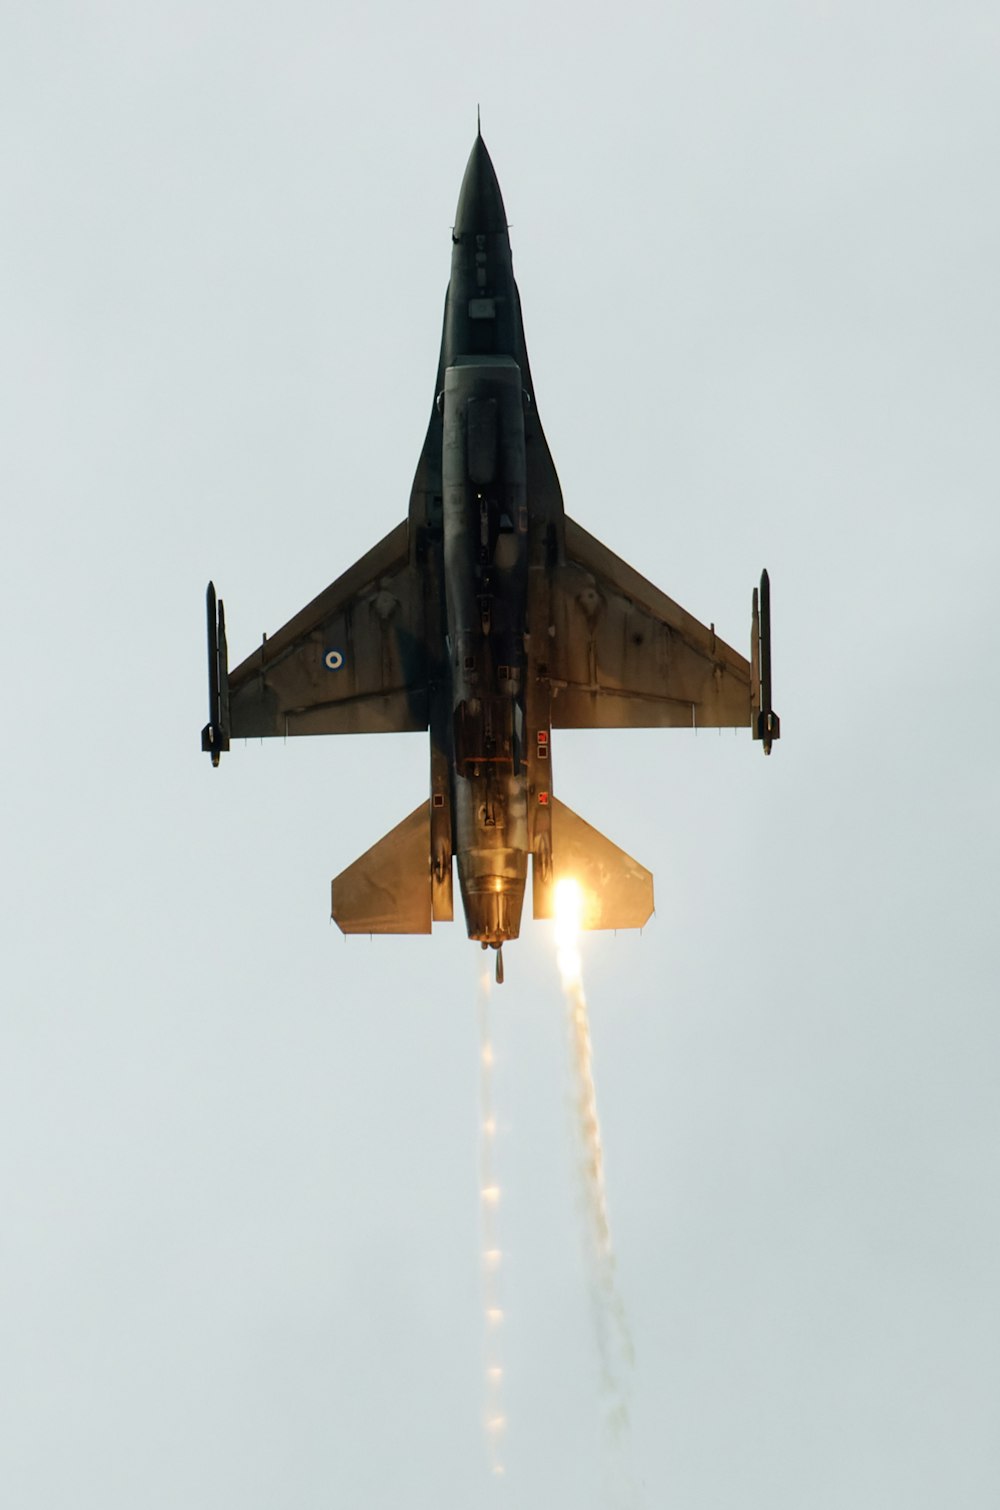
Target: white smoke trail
pixel 494 1419
pixel 610 1324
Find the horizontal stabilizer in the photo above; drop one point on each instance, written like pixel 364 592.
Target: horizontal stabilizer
pixel 388 889
pixel 617 890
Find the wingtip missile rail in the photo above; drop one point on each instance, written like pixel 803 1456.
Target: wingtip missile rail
pixel 215 734
pixel 765 722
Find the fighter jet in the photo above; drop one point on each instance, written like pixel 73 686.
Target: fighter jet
pixel 489 619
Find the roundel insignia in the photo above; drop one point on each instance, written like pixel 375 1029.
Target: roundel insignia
pixel 333 660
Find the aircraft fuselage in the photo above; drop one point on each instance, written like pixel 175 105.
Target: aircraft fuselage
pixel 485 529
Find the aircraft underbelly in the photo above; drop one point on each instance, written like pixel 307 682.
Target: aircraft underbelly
pixel 485 522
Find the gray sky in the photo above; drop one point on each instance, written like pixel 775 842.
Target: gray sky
pixel 757 251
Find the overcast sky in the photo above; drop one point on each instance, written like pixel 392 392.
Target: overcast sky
pixel 757 247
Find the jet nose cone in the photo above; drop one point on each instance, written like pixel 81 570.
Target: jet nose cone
pixel 480 204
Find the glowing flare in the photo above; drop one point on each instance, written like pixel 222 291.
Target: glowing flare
pixel 491 1194
pixel 492 1257
pixel 569 909
pixel 569 915
pixel 494 1315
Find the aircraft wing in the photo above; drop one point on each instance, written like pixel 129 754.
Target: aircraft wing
pixel 624 655
pixel 353 661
